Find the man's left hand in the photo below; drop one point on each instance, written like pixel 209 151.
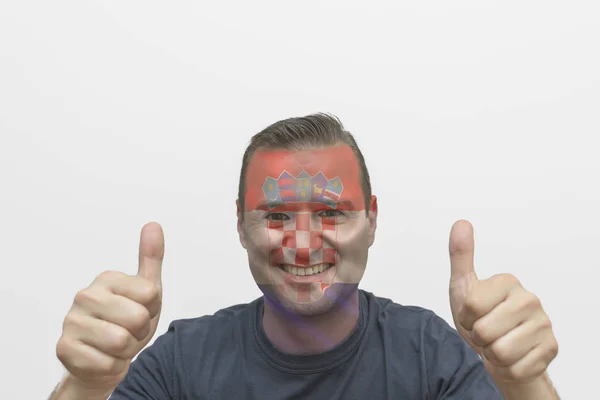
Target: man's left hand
pixel 505 324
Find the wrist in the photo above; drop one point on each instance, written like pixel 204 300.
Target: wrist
pixel 70 388
pixel 540 388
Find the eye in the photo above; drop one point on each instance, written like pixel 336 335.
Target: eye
pixel 277 217
pixel 330 213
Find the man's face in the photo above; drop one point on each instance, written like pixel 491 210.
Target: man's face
pixel 305 227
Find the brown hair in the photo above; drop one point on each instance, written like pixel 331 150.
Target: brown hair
pixel 301 133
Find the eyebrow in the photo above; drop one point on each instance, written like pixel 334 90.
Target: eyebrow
pixel 346 205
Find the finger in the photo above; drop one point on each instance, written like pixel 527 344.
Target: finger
pixel 86 361
pixel 506 316
pixel 462 249
pixel 484 297
pixel 517 343
pixel 532 365
pixel 135 288
pixel 116 309
pixel 107 337
pixel 151 253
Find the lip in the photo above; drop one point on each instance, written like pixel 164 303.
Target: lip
pixel 322 276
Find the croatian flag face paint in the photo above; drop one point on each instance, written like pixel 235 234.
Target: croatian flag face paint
pixel 305 222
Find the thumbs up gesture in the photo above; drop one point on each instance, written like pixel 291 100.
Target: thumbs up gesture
pixel 505 324
pixel 111 321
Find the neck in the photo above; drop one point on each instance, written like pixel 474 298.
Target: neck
pixel 297 334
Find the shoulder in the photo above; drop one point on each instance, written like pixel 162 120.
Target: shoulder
pixel 399 316
pixel 409 325
pixel 450 367
pixel 187 338
pixel 211 338
pixel 223 325
pixel 164 368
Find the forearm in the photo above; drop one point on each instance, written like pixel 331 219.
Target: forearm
pixel 540 389
pixel 69 389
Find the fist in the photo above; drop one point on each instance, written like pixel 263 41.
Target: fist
pixel 497 317
pixel 509 328
pixel 113 319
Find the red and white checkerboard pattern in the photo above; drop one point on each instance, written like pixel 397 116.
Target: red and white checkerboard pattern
pixel 303 240
pixel 300 240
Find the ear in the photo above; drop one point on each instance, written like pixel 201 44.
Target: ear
pixel 372 219
pixel 240 224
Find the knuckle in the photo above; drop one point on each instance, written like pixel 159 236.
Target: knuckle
pixel 119 340
pixel 141 315
pixel 109 275
pixel 501 353
pixel 88 296
pixel 472 305
pixel 69 355
pixel 139 321
pixel 514 372
pixel 108 366
pixel 69 321
pixel 73 326
pixel 149 291
pixel 482 333
pixel 86 365
pixel 508 279
pixel 84 296
pixel 467 318
pixel 546 323
pixel 63 349
pixel 531 301
pixel 553 349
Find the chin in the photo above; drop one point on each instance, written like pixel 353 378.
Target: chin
pixel 334 297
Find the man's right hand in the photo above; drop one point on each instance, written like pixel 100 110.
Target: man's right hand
pixel 111 321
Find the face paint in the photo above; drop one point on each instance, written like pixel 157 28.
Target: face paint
pixel 305 221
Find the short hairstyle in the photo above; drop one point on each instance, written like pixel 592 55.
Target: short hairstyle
pixel 303 133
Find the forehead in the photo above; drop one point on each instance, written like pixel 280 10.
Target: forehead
pixel 275 171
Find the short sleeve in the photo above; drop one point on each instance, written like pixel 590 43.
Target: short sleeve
pixel 150 375
pixel 454 369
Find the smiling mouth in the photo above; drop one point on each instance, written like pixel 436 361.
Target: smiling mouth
pixel 305 271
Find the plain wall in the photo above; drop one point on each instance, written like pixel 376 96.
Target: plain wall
pixel 116 113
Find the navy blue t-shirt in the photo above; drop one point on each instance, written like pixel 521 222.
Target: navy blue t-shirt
pixel 395 352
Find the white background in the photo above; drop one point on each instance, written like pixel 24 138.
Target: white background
pixel 115 113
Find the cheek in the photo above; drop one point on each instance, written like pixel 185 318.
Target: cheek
pixel 264 237
pixel 260 236
pixel 352 251
pixel 262 243
pixel 352 237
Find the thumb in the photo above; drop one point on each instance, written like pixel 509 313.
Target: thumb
pixel 152 250
pixel 462 250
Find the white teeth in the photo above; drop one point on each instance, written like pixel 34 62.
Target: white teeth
pixel 299 271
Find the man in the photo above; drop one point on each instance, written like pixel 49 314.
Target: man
pixel 307 218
